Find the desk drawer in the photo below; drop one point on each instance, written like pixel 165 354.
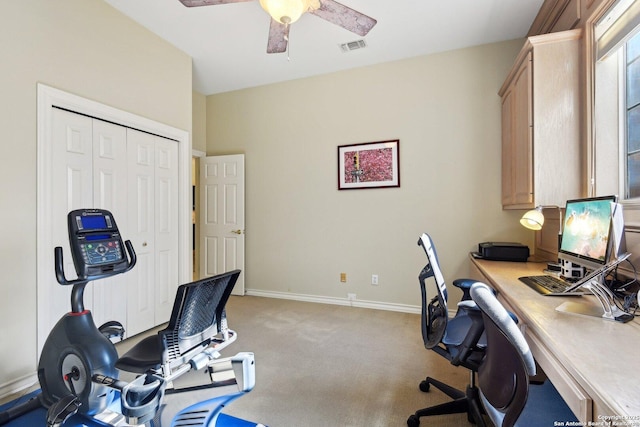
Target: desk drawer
pixel 575 396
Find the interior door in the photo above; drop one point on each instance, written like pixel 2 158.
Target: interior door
pixel 166 227
pixel 109 192
pixel 153 229
pixel 71 188
pixel 222 216
pixel 91 171
pixel 141 232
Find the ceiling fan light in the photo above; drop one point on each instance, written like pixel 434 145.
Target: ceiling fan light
pixel 285 11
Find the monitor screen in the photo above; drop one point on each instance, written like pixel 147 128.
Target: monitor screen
pixel 586 231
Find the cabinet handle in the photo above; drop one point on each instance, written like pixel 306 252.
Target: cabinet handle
pixel 144 244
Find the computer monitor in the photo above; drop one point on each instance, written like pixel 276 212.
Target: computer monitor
pixel 587 231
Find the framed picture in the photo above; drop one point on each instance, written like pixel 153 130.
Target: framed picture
pixel 369 165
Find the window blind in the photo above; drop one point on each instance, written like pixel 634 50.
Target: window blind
pixel 619 24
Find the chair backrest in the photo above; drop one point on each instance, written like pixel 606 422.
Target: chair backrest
pixel 435 313
pixel 503 376
pixel 196 318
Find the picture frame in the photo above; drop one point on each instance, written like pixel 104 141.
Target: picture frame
pixel 369 165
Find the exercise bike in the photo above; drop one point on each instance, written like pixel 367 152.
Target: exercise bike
pixel 79 366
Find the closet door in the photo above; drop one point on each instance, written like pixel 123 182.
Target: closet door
pixel 135 176
pixel 83 162
pixel 92 174
pixel 153 229
pixel 110 192
pixel 141 231
pixel 71 188
pixel 166 227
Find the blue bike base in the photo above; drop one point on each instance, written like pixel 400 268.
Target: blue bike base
pixel 38 417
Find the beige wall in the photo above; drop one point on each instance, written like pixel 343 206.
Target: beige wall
pixel 199 134
pixel 87 48
pixel 302 232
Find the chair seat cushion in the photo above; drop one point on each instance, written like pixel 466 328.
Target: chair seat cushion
pixel 143 357
pixel 457 330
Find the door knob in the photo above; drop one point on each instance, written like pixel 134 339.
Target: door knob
pixel 237 231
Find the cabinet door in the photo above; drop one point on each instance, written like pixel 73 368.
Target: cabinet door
pixel 522 135
pixel 508 148
pixel 517 139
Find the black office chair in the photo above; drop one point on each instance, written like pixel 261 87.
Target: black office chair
pixel 458 339
pixel 508 397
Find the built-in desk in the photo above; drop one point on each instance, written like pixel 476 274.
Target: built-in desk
pixel 594 363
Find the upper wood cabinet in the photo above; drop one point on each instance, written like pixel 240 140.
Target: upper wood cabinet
pixel 541 123
pixel 562 15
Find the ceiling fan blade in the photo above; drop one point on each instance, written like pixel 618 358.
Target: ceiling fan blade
pixel 344 17
pixel 278 37
pixel 194 3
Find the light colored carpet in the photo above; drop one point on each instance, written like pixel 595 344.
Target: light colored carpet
pixel 320 365
pixel 335 366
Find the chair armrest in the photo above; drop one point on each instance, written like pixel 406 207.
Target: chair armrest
pixel 467 305
pixel 465 285
pixel 469 345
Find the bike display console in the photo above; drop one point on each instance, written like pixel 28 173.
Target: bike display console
pixel 96 245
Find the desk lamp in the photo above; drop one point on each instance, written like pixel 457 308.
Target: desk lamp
pixel 534 219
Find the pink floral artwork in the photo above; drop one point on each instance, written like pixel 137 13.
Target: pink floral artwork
pixel 368 165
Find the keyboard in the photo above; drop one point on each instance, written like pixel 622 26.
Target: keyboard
pixel 546 284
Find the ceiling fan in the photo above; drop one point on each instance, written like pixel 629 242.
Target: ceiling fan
pixel 285 12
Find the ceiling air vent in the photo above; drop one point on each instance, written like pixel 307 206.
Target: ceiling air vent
pixel 348 47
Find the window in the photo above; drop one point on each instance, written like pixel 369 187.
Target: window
pixel 632 125
pixel 616 118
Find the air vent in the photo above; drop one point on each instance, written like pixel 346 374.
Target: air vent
pixel 348 47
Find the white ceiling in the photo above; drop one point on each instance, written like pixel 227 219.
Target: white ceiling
pixel 228 42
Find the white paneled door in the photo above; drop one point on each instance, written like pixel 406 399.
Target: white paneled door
pixel 134 174
pixel 93 155
pixel 71 188
pixel 222 230
pixel 91 159
pixel 141 198
pixel 152 219
pixel 109 192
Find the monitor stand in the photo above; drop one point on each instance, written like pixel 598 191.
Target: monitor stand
pixel 606 309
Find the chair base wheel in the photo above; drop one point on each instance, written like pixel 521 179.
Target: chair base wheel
pixel 413 421
pixel 424 386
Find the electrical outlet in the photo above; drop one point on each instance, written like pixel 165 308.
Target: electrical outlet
pixel 343 277
pixel 374 279
pixel 351 297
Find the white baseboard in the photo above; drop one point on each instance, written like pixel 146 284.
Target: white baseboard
pixel 403 308
pixel 18 385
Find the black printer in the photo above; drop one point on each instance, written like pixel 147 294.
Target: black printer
pixel 502 251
